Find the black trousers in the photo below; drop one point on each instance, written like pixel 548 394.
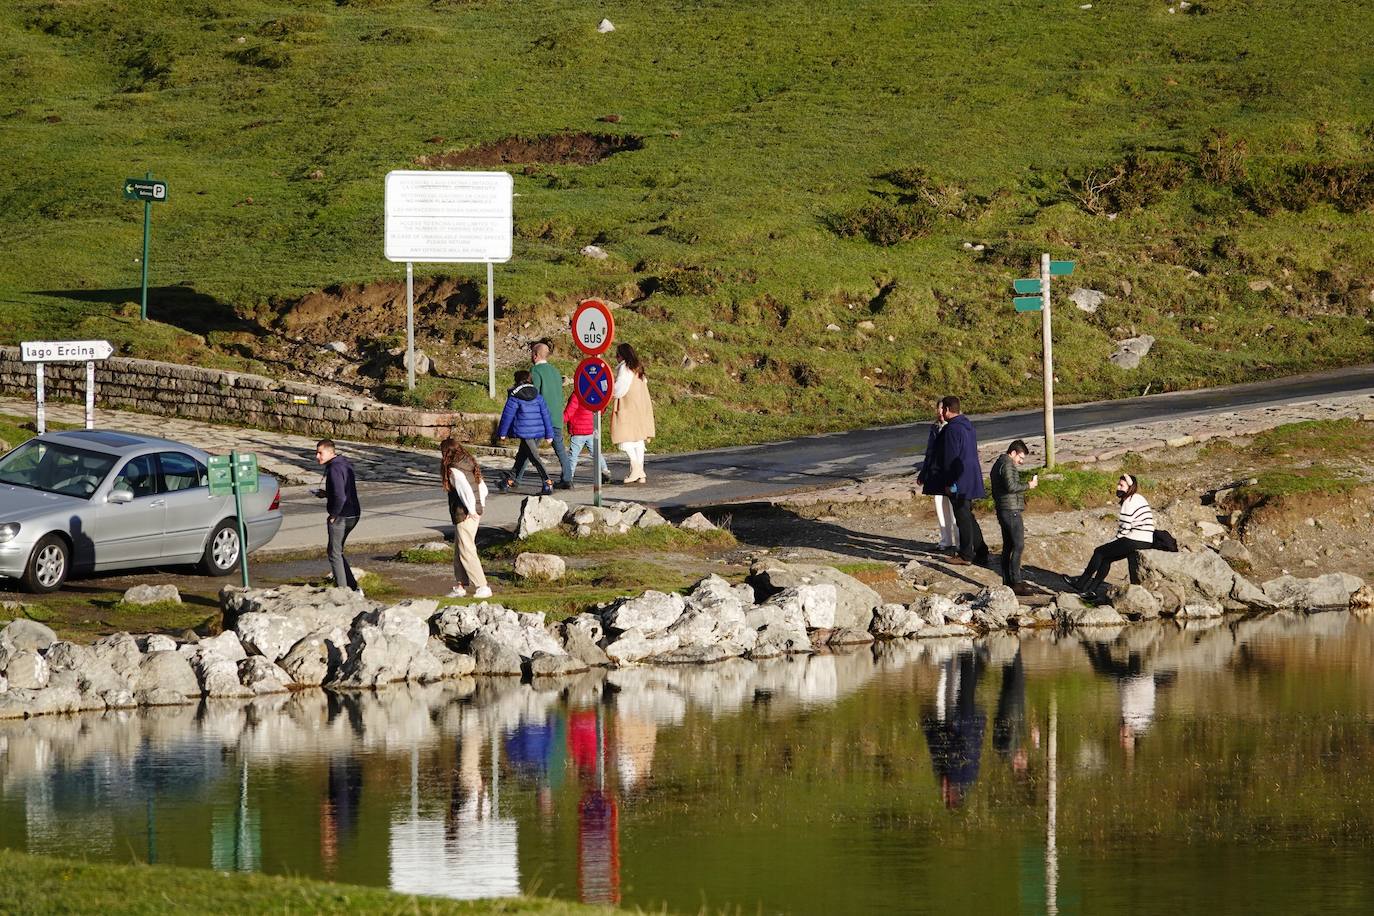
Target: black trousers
pixel 528 452
pixel 972 547
pixel 1013 543
pixel 1103 558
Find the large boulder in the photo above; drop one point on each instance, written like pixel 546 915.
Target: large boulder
pixel 522 633
pixel 166 672
pixel 492 657
pixel 152 594
pixel 937 610
pixel 895 621
pixel 388 645
pixel 651 612
pixel 315 659
pixel 1137 603
pixel 1332 590
pixel 854 601
pixel 94 675
pixel 17 703
pixel 581 636
pixel 120 651
pixel 451 664
pixel 270 635
pixel 545 665
pixel 27 670
pixel 632 645
pixel 261 676
pixel 1073 611
pixel 218 675
pixel 313 606
pixel 1201 573
pixel 226 645
pixel 540 513
pixel 27 634
pixel 545 567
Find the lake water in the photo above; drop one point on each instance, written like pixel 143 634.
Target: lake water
pixel 1225 768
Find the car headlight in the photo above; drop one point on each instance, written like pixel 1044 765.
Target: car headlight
pixel 9 531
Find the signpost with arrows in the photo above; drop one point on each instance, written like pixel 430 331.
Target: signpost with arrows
pixel 1040 302
pixel 235 473
pixel 64 351
pixel 147 190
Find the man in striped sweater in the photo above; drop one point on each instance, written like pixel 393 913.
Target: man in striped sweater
pixel 1135 531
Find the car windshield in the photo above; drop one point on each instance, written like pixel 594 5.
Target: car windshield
pixel 55 468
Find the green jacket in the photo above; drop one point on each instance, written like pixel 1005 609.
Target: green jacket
pixel 548 381
pixel 1008 492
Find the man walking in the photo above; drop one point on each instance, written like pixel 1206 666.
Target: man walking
pixel 548 382
pixel 958 474
pixel 1009 496
pixel 341 507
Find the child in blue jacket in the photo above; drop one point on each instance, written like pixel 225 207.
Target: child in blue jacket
pixel 526 416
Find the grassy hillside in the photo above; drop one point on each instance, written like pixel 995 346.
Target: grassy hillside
pixel 774 170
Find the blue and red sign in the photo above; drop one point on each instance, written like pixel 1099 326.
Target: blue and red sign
pixel 592 383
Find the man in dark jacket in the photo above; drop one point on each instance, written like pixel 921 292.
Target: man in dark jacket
pixel 525 416
pixel 1009 496
pixel 341 507
pixel 956 472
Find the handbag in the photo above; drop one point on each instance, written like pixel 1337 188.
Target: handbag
pixel 1165 541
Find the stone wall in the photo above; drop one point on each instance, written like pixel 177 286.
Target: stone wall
pixel 255 401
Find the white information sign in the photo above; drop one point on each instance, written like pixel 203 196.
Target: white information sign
pixel 64 351
pixel 449 217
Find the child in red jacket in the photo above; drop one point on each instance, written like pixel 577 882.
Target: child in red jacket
pixel 581 424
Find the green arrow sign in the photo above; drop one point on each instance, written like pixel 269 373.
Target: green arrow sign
pixel 145 189
pixel 221 476
pixel 1027 303
pixel 1061 268
pixel 1027 286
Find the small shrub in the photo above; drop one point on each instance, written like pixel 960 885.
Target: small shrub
pixel 885 223
pixel 294 24
pixel 269 57
pixel 1222 158
pixel 1131 184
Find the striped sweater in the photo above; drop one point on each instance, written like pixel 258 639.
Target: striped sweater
pixel 1136 520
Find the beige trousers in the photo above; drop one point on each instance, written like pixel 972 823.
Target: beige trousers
pixel 467 568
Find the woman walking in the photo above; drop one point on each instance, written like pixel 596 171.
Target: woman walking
pixel 1135 531
pixel 632 415
pixel 467 497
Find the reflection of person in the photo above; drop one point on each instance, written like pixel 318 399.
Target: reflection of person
pixel 1009 723
pixel 339 808
pixel 632 414
pixel 525 416
pixel 583 741
pixel 1136 687
pixel 634 749
pixel 598 848
pixel 467 498
pixel 1135 531
pixel 955 471
pixel 342 510
pixel 944 512
pixel 1009 497
pixel 954 728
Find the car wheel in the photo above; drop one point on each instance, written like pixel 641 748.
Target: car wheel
pixel 48 565
pixel 222 550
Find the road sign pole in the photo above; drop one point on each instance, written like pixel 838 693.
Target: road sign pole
pixel 90 394
pixel 1045 326
pixel 147 217
pixel 596 463
pixel 410 325
pixel 238 513
pixel 40 414
pixel 491 331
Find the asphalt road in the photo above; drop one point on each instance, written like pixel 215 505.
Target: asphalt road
pixel 395 512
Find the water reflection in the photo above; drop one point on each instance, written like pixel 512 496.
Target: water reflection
pixel 655 786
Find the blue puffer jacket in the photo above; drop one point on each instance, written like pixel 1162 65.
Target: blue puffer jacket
pixel 525 416
pixel 954 468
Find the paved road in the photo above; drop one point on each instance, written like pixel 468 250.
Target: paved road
pixel 396 511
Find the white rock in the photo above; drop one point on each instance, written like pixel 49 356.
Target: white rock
pixel 1087 300
pixel 652 612
pixel 269 635
pixel 540 513
pixel 152 594
pixel 27 670
pixel 697 522
pixel 594 252
pixel 542 566
pixel 605 26
pixel 158 642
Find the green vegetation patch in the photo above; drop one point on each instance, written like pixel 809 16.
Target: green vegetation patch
pixel 1285 484
pixel 561 542
pixel 422 557
pixel 1072 487
pixel 1329 439
pixel 40 885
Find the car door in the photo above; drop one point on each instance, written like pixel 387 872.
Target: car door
pixel 130 533
pixel 191 510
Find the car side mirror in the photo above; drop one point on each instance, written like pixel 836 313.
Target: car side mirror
pixel 119 496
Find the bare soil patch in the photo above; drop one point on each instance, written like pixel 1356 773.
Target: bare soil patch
pixel 547 149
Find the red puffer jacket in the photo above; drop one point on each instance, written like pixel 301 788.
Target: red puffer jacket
pixel 578 419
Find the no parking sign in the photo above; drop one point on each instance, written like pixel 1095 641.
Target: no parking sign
pixel 592 383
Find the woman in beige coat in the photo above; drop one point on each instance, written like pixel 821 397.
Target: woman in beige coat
pixel 632 414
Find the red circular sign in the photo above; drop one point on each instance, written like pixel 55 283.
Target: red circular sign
pixel 593 327
pixel 593 383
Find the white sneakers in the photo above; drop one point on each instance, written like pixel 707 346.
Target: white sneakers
pixel 459 591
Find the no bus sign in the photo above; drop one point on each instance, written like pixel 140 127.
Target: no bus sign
pixel 593 327
pixel 592 383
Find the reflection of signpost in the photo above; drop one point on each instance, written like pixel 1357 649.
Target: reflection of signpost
pixel 65 351
pixel 593 329
pixel 449 217
pixel 237 474
pixel 148 191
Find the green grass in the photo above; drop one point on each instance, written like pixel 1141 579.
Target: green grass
pixel 38 885
pixel 425 557
pixel 562 543
pixel 1072 487
pixel 1329 439
pixel 1296 482
pixel 799 168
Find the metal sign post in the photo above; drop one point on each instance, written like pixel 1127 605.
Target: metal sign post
pixel 593 329
pixel 148 191
pixel 64 351
pixel 237 474
pixel 450 217
pixel 410 325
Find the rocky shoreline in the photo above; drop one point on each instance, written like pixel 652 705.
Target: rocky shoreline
pixel 292 638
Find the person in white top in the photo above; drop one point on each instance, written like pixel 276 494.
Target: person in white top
pixel 467 498
pixel 1135 531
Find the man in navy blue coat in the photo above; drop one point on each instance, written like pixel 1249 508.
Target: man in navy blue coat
pixel 954 471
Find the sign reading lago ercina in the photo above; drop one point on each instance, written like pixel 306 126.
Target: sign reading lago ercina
pixel 59 351
pixel 448 216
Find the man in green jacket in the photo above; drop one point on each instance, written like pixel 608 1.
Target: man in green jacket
pixel 548 381
pixel 1009 497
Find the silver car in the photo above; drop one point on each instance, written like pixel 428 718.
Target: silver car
pixel 97 500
